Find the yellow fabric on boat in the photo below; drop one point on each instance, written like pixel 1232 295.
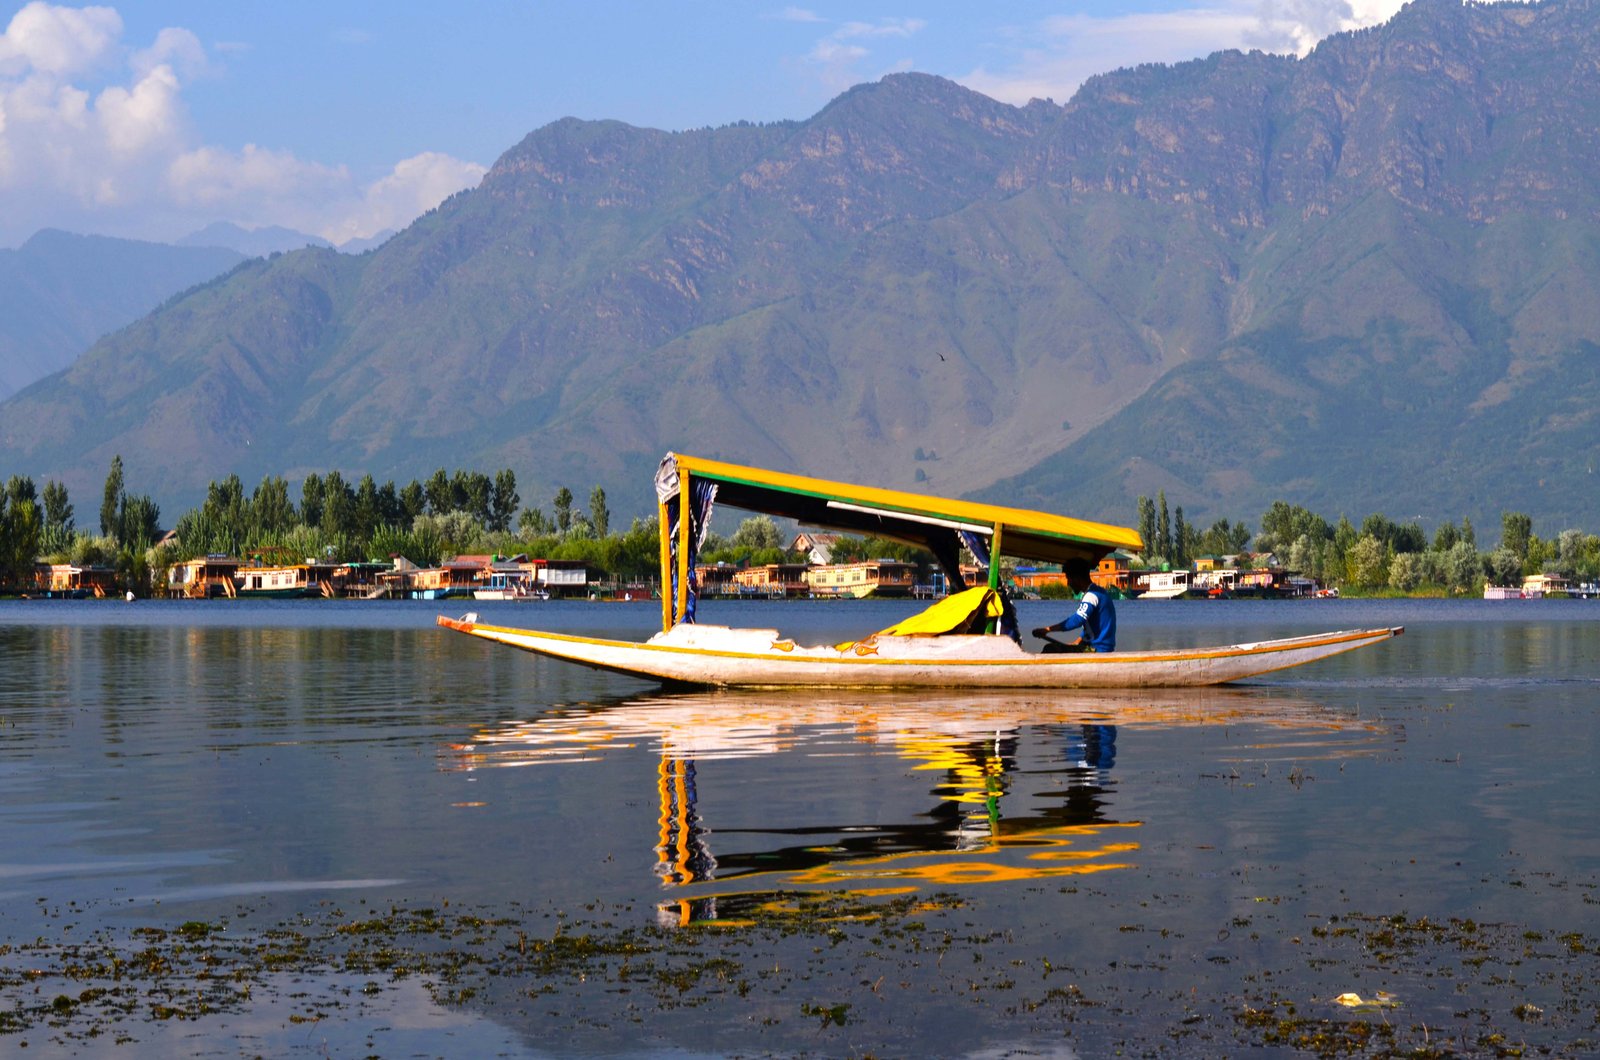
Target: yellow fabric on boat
pixel 951 613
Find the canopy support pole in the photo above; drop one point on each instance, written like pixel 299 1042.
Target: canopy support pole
pixel 685 514
pixel 994 571
pixel 665 533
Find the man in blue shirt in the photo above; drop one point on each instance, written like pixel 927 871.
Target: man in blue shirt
pixel 1095 614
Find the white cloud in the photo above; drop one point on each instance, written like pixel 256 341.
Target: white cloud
pixel 148 117
pixel 257 187
pixel 889 27
pixel 174 47
pixel 797 14
pixel 1051 59
pixel 96 136
pixel 1296 25
pixel 840 59
pixel 415 186
pixel 58 41
pixel 830 52
pixel 257 180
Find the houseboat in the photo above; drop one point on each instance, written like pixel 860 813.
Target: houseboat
pixel 203 577
pixel 774 580
pixel 559 577
pixel 1268 582
pixel 456 577
pixel 509 582
pixel 395 581
pixel 877 577
pixel 1547 585
pixel 287 581
pixel 71 582
pixel 1165 584
pixel 1214 584
pixel 360 580
pixel 716 579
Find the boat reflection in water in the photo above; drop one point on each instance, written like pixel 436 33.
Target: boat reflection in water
pixel 1020 785
pixel 1005 807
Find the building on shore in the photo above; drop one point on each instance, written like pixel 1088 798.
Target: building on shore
pixel 815 545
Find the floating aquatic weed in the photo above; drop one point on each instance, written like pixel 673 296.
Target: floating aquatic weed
pixel 760 947
pixel 834 1014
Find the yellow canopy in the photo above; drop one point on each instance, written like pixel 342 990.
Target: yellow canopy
pixel 910 517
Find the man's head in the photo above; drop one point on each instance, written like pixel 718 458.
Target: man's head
pixel 1077 572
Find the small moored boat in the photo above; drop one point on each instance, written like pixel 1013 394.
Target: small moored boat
pixel 967 640
pixel 505 585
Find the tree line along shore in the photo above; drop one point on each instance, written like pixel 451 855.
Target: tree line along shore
pixel 469 512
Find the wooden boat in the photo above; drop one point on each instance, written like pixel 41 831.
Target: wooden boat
pixel 721 656
pixel 960 642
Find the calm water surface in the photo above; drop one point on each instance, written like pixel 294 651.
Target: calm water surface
pixel 217 800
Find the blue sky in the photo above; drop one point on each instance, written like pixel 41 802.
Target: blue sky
pixel 345 117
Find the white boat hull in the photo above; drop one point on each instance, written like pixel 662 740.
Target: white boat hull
pixel 508 594
pixel 724 657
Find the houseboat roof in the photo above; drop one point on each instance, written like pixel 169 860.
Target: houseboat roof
pixel 913 518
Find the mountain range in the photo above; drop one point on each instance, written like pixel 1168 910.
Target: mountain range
pixel 60 292
pixel 1360 281
pixel 271 239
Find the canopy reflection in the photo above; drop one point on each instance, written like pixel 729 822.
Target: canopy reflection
pixel 1004 786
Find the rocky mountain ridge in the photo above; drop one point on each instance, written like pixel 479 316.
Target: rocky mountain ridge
pixel 1355 280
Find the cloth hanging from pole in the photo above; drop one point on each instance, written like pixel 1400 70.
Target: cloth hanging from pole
pixel 702 499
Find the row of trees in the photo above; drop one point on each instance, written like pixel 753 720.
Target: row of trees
pixel 349 517
pixel 1173 541
pixel 35 524
pixel 471 512
pixel 1380 552
pixel 449 514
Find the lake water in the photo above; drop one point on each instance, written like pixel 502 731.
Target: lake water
pixel 331 828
